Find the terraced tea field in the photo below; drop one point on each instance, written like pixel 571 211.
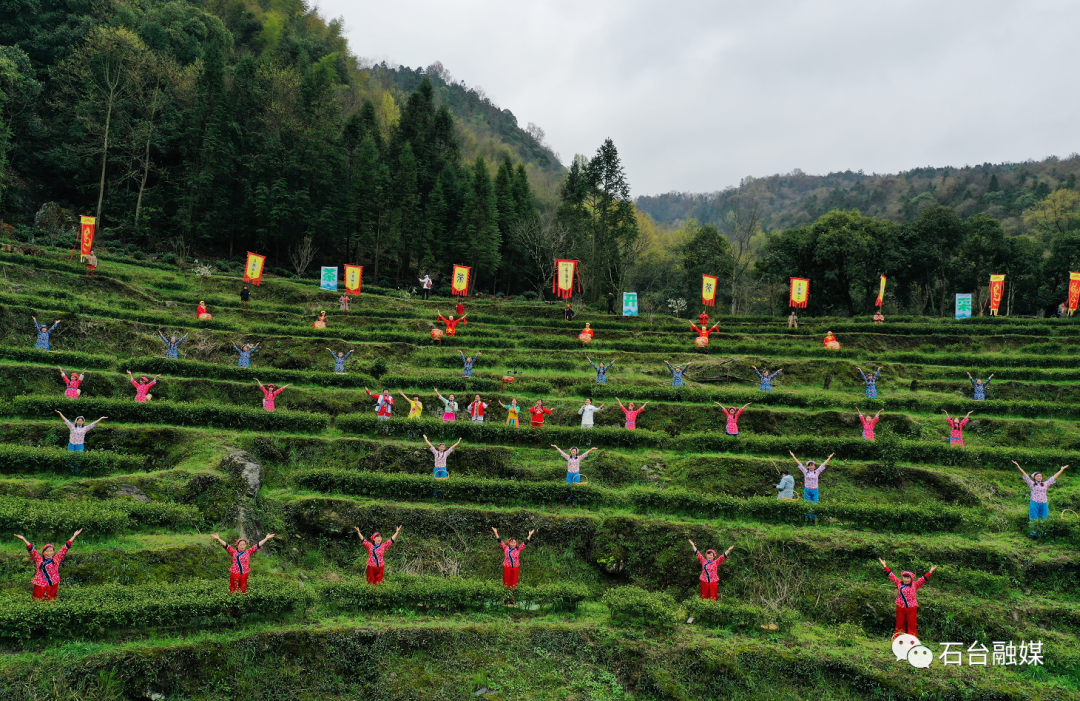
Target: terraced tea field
pixel 609 580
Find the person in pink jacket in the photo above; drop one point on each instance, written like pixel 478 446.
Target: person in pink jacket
pixel 709 562
pixel 732 415
pixel 241 558
pixel 142 387
pixel 72 382
pixel 512 557
pixel 270 394
pixel 376 549
pixel 907 604
pixel 47 566
pixel 956 429
pixel 631 414
pixel 868 424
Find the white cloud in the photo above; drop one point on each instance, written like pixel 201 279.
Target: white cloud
pixel 698 94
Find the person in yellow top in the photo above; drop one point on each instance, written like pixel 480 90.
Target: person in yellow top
pixel 416 407
pixel 512 413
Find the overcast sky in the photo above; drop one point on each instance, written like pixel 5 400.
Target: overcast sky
pixel 698 94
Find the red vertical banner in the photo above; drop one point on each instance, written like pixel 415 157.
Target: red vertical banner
pixel 997 290
pixel 459 283
pixel 708 290
pixel 354 277
pixel 87 226
pixel 1074 292
pixel 563 284
pixel 253 269
pixel 800 292
pixel 881 293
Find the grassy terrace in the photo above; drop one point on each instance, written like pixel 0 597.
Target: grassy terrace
pixel 609 582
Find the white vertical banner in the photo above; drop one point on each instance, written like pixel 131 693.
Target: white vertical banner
pixel 629 304
pixel 329 278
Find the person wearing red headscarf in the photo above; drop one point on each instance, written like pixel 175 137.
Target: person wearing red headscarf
pixel 47 566
pixel 241 557
pixel 710 582
pixel 907 605
pixel 142 387
pixel 376 549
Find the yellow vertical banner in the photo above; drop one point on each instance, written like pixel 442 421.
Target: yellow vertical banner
pixel 881 293
pixel 459 283
pixel 253 269
pixel 997 290
pixel 708 290
pixel 354 276
pixel 563 285
pixel 800 292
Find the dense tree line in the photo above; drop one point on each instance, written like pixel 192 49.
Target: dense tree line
pixel 215 128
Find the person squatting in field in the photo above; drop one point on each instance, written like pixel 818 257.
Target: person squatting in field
pixel 766 378
pixel 270 394
pixel 172 345
pixel 677 373
pixel 956 429
pixel 339 359
pixel 709 562
pixel 245 352
pixel 142 387
pixel 631 414
pixel 601 370
pixel 868 424
pixel 43 333
pixel 47 566
pixel 978 387
pixel 907 604
pixel 512 557
pixel 467 363
pixel 376 549
pixel 241 557
pixel 72 382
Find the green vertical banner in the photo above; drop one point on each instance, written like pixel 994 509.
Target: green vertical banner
pixel 629 304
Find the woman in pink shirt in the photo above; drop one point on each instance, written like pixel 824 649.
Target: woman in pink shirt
pixel 47 567
pixel 956 429
pixel 142 387
pixel 907 606
pixel 631 414
pixel 241 558
pixel 72 382
pixel 709 562
pixel 512 557
pixel 376 549
pixel 1038 506
pixel 732 415
pixel 270 394
pixel 868 424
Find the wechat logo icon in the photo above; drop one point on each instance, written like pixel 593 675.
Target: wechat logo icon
pixel 907 647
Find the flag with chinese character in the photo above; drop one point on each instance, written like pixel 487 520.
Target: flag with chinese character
pixel 997 289
pixel 86 235
pixel 253 269
pixel 328 279
pixel 708 290
pixel 1074 291
pixel 881 293
pixel 459 283
pixel 565 272
pixel 354 276
pixel 800 292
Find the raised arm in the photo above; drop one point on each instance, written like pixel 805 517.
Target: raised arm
pixel 560 451
pixel 496 532
pixel 793 457
pixel 96 422
pixel 427 441
pixel 826 461
pixel 357 529
pixel 1058 473
pixel 692 545
pixel 1020 468
pixel 620 403
pixel 24 540
pixel 65 419
pixel 267 538
pixel 595 448
pixel 456 444
pixel 216 537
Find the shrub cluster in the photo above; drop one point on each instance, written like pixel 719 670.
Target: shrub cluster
pixel 212 371
pixel 20 459
pixel 453 594
pixel 634 606
pixel 91 611
pixel 58 519
pixel 736 616
pixel 202 414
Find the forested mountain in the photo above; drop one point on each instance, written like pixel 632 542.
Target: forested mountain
pixel 1003 191
pixel 216 127
pixel 933 232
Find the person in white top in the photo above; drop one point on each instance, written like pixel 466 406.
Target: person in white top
pixel 476 409
pixel 587 411
pixel 426 284
pixel 77 431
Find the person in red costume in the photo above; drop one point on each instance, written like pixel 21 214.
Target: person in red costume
pixel 47 566
pixel 451 323
pixel 538 411
pixel 587 331
pixel 201 312
pixel 704 316
pixel 460 309
pixel 709 578
pixel 702 331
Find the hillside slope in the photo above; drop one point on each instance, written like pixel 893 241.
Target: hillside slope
pixel 1002 191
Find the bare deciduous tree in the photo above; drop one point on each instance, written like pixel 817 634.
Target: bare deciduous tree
pixel 302 254
pixel 543 240
pixel 740 223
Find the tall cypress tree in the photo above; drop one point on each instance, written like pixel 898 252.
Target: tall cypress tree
pixel 478 235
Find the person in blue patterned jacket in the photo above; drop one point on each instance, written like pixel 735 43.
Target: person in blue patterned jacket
pixel 43 333
pixel 979 387
pixel 172 345
pixel 871 382
pixel 766 378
